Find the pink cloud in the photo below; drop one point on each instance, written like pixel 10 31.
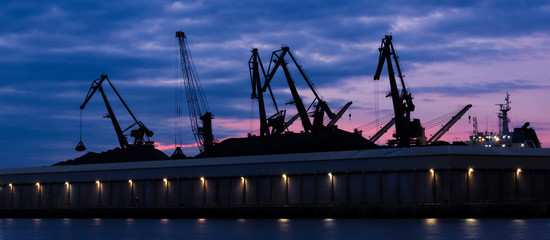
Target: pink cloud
pixel 162 146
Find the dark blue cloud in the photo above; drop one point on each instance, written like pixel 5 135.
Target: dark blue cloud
pixel 465 90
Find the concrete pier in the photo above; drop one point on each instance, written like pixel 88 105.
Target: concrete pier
pixel 439 181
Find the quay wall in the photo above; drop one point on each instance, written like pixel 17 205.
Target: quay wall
pixel 424 181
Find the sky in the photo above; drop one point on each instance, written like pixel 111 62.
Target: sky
pixel 453 53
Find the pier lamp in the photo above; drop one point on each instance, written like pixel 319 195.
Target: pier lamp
pixel 165 180
pixel 67 184
pixel 330 175
pixel 37 184
pixel 432 171
pixel 518 171
pixel 98 182
pixel 11 186
pixel 130 181
pixel 470 170
pixel 242 180
pixel 202 179
pixel 284 177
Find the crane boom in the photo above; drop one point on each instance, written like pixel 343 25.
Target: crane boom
pixel 449 124
pixel 338 115
pixel 382 130
pixel 199 114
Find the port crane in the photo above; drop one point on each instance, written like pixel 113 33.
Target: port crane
pixel 199 113
pixel 138 134
pixel 407 132
pixel 276 121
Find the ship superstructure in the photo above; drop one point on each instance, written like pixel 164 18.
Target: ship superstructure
pixel 523 137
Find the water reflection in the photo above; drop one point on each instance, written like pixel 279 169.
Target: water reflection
pixel 330 228
pixel 96 222
pixel 66 222
pixel 202 226
pixel 519 226
pixel 284 224
pixel 129 221
pixel 431 228
pixel 37 222
pixel 470 228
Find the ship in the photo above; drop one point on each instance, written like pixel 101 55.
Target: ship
pixel 522 137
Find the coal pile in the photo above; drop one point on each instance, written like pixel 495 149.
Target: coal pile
pixel 131 154
pixel 334 140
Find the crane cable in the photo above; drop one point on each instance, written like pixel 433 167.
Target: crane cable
pixel 80 125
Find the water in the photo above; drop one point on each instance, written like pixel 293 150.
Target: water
pixel 274 229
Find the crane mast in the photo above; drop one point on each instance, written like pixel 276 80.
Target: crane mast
pixel 407 131
pixel 199 114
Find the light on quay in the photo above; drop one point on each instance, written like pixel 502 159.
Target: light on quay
pixel 202 179
pixel 97 182
pixel 284 176
pixel 130 181
pixel 11 186
pixel 67 184
pixel 432 171
pixel 518 171
pixel 470 170
pixel 165 180
pixel 242 179
pixel 330 175
pixel 37 184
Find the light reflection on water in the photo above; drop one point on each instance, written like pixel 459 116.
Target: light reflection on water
pixel 429 228
pixel 470 228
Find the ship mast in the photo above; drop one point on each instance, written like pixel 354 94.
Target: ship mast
pixel 503 116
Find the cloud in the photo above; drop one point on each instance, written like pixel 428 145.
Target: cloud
pixel 479 89
pixel 414 24
pixel 179 6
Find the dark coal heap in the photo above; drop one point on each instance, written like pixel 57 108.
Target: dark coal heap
pixel 334 140
pixel 131 154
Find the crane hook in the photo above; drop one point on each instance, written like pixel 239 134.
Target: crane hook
pixel 80 146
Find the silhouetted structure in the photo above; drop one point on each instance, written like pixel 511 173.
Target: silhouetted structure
pixel 138 134
pixel 130 154
pixel 333 140
pixel 199 113
pixel 523 137
pixel 407 132
pixel 277 121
